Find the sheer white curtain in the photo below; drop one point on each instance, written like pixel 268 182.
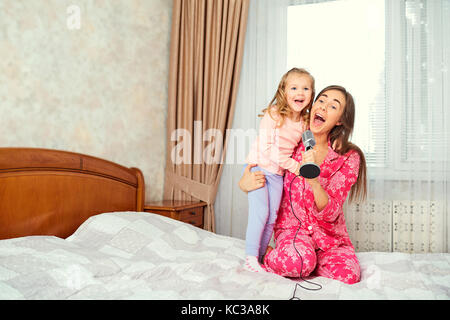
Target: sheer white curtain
pixel 407 209
pixel 402 110
pixel 263 65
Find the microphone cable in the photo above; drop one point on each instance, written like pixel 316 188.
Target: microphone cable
pixel 318 286
pixel 296 233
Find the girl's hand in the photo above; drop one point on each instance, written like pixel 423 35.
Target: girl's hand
pixel 252 180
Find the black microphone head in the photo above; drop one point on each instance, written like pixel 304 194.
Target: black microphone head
pixel 310 170
pixel 308 140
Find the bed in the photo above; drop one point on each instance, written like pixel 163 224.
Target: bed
pixel 72 227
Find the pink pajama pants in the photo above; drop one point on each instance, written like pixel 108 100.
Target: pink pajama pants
pixel 338 263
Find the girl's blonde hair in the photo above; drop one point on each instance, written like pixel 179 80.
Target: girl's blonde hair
pixel 279 100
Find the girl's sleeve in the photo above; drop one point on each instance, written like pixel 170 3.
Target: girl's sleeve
pixel 270 136
pixel 267 132
pixel 338 188
pixel 281 151
pixel 285 151
pixel 286 162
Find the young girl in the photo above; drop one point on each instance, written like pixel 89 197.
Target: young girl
pixel 280 132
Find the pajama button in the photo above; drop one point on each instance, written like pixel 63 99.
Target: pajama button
pixel 310 228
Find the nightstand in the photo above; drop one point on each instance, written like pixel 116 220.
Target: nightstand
pixel 187 211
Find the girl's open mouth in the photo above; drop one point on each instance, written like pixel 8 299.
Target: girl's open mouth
pixel 299 101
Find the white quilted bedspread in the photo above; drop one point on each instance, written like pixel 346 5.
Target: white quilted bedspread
pixel 131 255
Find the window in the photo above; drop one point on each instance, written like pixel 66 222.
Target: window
pixel 422 125
pixel 391 55
pixel 343 42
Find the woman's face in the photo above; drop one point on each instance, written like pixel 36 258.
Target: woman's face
pixel 327 111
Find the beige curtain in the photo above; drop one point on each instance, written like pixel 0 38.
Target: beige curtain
pixel 207 44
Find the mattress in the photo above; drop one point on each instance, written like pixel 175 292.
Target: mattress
pixel 135 255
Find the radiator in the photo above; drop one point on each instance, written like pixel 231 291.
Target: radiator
pixel 402 226
pixel 370 225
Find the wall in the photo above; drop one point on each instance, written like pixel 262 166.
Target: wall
pixel 99 90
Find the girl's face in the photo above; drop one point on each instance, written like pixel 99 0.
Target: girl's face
pixel 327 111
pixel 298 91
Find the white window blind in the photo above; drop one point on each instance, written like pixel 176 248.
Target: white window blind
pixel 422 122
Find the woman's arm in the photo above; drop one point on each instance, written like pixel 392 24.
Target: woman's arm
pixel 251 180
pixel 337 190
pixel 320 195
pixel 328 202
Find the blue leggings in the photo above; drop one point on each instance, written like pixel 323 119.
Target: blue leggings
pixel 263 204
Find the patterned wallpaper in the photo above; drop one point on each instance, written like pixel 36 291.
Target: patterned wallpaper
pixel 87 76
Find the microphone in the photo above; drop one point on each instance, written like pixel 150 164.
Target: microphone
pixel 309 170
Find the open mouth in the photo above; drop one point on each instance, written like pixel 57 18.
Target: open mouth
pixel 318 119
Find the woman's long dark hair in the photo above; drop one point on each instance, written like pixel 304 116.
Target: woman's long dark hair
pixel 339 137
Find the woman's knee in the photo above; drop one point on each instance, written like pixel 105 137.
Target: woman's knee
pixel 292 261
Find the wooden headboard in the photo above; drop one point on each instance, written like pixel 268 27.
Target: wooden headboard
pixel 51 192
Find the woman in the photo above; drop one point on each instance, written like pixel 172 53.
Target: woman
pixel 310 233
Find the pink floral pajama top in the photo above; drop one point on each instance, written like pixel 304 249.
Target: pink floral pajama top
pixel 323 239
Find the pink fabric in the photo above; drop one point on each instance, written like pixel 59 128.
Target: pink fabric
pixel 273 148
pixel 322 240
